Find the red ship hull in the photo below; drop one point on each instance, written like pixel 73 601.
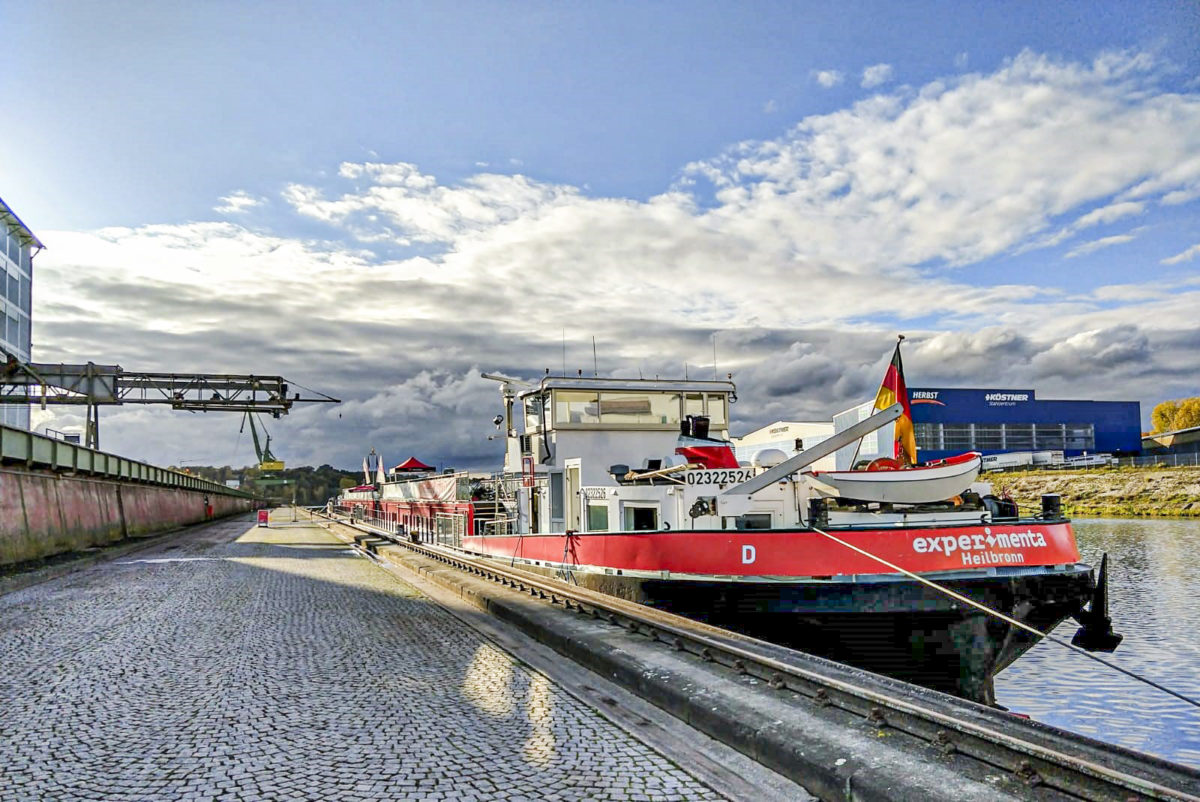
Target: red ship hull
pixel 796 553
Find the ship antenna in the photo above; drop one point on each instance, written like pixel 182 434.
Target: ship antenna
pixel 564 352
pixel 595 367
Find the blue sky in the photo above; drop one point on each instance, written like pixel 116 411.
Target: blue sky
pixel 382 198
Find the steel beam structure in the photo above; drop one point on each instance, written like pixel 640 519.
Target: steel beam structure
pixel 104 385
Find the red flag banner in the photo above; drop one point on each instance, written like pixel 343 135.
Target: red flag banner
pixel 893 390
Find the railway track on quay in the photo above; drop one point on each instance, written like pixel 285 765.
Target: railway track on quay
pixel 1013 756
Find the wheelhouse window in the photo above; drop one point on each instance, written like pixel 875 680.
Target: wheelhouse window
pixel 616 409
pixel 536 407
pixel 718 417
pixel 628 409
pixel 713 406
pixel 576 406
pixel 653 409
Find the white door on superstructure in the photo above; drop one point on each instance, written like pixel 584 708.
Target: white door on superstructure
pixel 571 499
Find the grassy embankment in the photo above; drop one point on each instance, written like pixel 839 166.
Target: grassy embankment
pixel 1110 492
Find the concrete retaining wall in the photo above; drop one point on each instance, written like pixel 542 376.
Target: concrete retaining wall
pixel 43 513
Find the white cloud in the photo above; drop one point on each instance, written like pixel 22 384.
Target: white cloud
pixel 1102 216
pixel 961 170
pixel 1098 244
pixel 418 208
pixel 770 107
pixel 1089 351
pixel 828 78
pixel 960 61
pixel 238 202
pixel 1110 213
pixel 1180 196
pixel 1185 256
pixel 876 75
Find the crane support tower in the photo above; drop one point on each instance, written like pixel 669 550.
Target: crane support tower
pixel 104 385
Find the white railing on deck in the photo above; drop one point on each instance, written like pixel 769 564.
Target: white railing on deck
pixel 449 528
pixel 496 526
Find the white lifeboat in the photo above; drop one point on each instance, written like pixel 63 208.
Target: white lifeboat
pixel 937 481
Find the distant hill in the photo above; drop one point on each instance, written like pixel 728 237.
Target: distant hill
pixel 312 485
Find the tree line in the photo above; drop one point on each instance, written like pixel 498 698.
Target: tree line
pixel 312 486
pixel 1182 413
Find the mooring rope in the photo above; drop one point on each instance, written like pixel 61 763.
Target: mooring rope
pixel 1020 625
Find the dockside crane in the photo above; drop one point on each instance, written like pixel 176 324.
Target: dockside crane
pixel 93 386
pixel 266 460
pixel 268 465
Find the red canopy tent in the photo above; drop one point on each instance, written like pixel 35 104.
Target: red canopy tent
pixel 412 465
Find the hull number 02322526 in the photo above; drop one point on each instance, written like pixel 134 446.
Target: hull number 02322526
pixel 719 476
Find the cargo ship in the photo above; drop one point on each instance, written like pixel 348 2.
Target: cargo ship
pixel 631 487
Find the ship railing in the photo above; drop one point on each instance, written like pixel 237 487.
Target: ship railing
pixel 358 513
pixel 496 526
pixel 497 488
pixel 371 519
pixel 449 528
pixel 508 484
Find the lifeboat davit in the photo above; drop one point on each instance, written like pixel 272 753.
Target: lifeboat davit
pixel 937 481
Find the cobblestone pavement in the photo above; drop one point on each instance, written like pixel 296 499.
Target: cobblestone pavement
pixel 279 666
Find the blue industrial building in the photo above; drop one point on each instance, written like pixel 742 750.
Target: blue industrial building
pixel 951 421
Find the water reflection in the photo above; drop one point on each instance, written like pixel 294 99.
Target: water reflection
pixel 1154 582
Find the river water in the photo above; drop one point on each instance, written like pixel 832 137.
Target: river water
pixel 1154 601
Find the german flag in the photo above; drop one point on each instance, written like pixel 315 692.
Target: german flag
pixel 892 390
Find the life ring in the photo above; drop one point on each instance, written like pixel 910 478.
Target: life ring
pixel 885 464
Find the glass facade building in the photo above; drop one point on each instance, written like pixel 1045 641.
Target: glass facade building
pixel 18 246
pixel 948 421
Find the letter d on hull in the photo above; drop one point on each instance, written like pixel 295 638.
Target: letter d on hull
pixel 748 555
